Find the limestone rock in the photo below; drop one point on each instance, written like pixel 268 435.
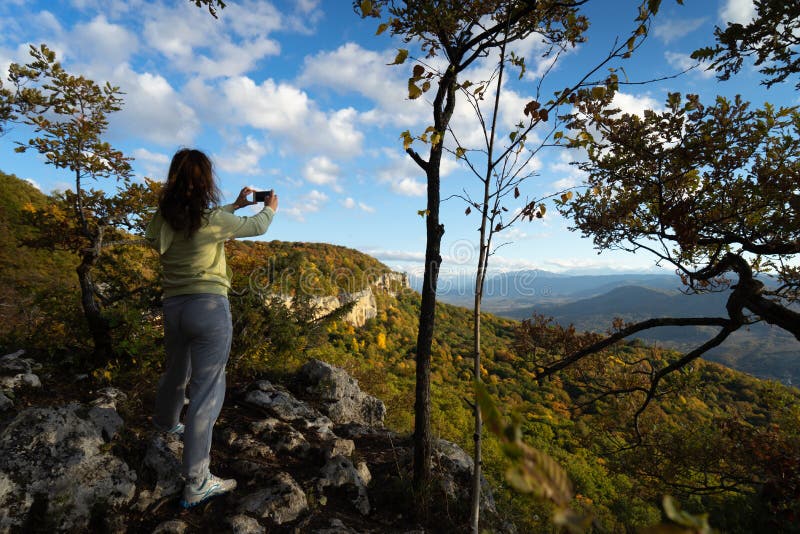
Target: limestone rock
pixel 336 527
pixel 250 447
pixel 173 526
pixel 392 283
pixel 364 307
pixel 341 398
pixel 281 437
pixel 242 524
pixel 281 501
pixel 163 459
pixel 16 372
pixel 53 458
pixel 104 412
pixel 340 472
pixel 455 467
pixel 5 402
pixel 14 364
pixel 339 447
pixel 278 401
pixel 358 431
pixel 11 383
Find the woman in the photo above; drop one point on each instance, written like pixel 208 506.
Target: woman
pixel 189 231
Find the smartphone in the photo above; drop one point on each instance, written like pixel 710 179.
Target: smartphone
pixel 261 196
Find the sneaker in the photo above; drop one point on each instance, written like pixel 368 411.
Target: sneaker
pixel 177 429
pixel 210 487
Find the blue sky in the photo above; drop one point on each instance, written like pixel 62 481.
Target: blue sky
pixel 297 96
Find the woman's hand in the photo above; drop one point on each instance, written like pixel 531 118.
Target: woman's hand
pixel 244 198
pixel 272 201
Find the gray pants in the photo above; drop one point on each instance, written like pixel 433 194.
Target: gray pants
pixel 197 337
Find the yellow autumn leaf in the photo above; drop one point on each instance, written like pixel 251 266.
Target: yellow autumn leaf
pixel 401 56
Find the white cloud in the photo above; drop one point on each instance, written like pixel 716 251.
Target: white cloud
pixel 311 202
pixel 152 110
pixel 244 159
pixel 194 42
pixel 307 6
pixel 322 171
pixel 408 187
pixel 155 164
pixel 396 255
pixel 633 104
pixel 350 203
pixel 353 69
pixel 116 42
pixel 113 7
pixel 741 11
pixel 46 21
pixel 669 30
pixel 400 175
pixel 286 110
pixel 683 62
pixel 570 175
pixel 34 183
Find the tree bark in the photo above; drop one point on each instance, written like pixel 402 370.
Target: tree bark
pixel 443 107
pixel 99 328
pixel 476 350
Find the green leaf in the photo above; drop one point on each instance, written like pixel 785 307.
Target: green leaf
pixel 512 136
pixel 571 520
pixel 414 92
pixel 402 55
pixel 489 411
pixel 407 139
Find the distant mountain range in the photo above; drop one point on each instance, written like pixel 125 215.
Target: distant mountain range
pixel 591 302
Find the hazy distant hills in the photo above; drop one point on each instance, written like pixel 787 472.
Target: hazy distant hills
pixel 507 292
pixel 591 302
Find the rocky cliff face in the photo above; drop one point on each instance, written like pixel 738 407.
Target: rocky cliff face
pixel 364 307
pixel 392 283
pixel 311 458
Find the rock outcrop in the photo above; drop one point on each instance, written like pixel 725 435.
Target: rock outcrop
pixel 317 460
pixel 364 305
pixel 16 372
pixel 340 397
pixel 55 468
pixel 392 283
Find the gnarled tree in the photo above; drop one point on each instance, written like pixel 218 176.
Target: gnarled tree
pixel 711 190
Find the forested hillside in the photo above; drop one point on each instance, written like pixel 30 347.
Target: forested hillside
pixel 762 350
pixel 720 441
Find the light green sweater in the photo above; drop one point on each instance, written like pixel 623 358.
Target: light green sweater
pixel 197 264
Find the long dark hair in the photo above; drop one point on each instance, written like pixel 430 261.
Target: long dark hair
pixel 189 192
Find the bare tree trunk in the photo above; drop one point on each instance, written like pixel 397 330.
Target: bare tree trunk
pixel 98 325
pixel 486 232
pixel 443 107
pixel 476 351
